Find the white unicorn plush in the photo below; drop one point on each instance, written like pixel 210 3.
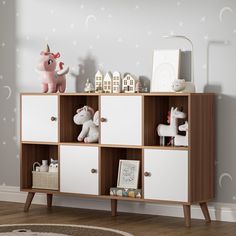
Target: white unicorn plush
pixel 89 132
pixel 171 129
pixel 182 140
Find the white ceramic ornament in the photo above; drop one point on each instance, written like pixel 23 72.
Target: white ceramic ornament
pixel 88 87
pixel 180 85
pixel 171 129
pixel 182 140
pixel 44 166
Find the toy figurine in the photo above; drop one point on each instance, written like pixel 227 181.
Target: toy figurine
pixel 52 80
pixel 88 87
pixel 170 130
pixel 180 85
pixel 182 140
pixel 53 167
pixel 90 132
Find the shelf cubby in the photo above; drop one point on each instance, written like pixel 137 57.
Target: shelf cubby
pixel 34 153
pixel 155 112
pixel 110 158
pixel 69 104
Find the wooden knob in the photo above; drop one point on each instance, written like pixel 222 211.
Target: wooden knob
pixel 53 118
pixel 147 174
pixel 103 119
pixel 93 171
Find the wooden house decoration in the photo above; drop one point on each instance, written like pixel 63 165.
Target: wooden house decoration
pixel 116 82
pixel 107 83
pixel 129 84
pixel 99 82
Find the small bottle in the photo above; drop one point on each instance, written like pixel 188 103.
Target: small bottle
pixel 44 166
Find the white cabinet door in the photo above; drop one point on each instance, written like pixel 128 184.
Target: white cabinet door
pixel 123 120
pixel 39 118
pixel 79 169
pixel 167 172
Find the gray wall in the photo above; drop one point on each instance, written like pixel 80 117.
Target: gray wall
pixel 118 35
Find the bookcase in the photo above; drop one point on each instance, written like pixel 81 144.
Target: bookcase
pixel 128 122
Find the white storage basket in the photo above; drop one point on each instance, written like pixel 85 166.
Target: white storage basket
pixel 45 180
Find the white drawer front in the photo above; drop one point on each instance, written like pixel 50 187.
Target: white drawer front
pixel 37 114
pixel 76 167
pixel 169 175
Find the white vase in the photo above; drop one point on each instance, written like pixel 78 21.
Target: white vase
pixel 44 166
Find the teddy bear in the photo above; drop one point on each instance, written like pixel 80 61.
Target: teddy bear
pixel 85 116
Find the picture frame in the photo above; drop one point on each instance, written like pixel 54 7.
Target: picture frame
pixel 166 67
pixel 128 174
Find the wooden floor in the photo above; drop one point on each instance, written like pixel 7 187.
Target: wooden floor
pixel 138 225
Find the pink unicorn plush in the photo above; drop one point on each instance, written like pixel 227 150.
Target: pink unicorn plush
pixel 52 80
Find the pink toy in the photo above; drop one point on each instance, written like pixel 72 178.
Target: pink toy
pixel 52 80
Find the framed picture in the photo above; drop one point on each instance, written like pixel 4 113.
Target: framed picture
pixel 166 64
pixel 128 173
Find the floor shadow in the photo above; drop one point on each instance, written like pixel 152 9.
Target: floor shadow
pixel 87 68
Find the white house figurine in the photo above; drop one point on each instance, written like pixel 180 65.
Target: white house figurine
pixel 107 83
pixel 113 83
pixel 116 82
pixel 129 84
pixel 99 82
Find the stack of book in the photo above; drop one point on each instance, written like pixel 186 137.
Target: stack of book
pixel 125 192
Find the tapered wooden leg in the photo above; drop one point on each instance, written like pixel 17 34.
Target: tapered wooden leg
pixel 29 199
pixel 187 215
pixel 49 200
pixel 113 207
pixel 205 211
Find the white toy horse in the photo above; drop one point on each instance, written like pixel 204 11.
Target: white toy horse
pixel 171 129
pixel 85 116
pixel 182 140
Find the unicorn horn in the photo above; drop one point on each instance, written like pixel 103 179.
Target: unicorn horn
pixel 47 48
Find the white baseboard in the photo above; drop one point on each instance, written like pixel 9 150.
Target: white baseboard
pixel 218 211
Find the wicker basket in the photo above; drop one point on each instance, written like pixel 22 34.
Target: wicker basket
pixel 45 180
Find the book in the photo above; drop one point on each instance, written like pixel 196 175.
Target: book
pixel 126 192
